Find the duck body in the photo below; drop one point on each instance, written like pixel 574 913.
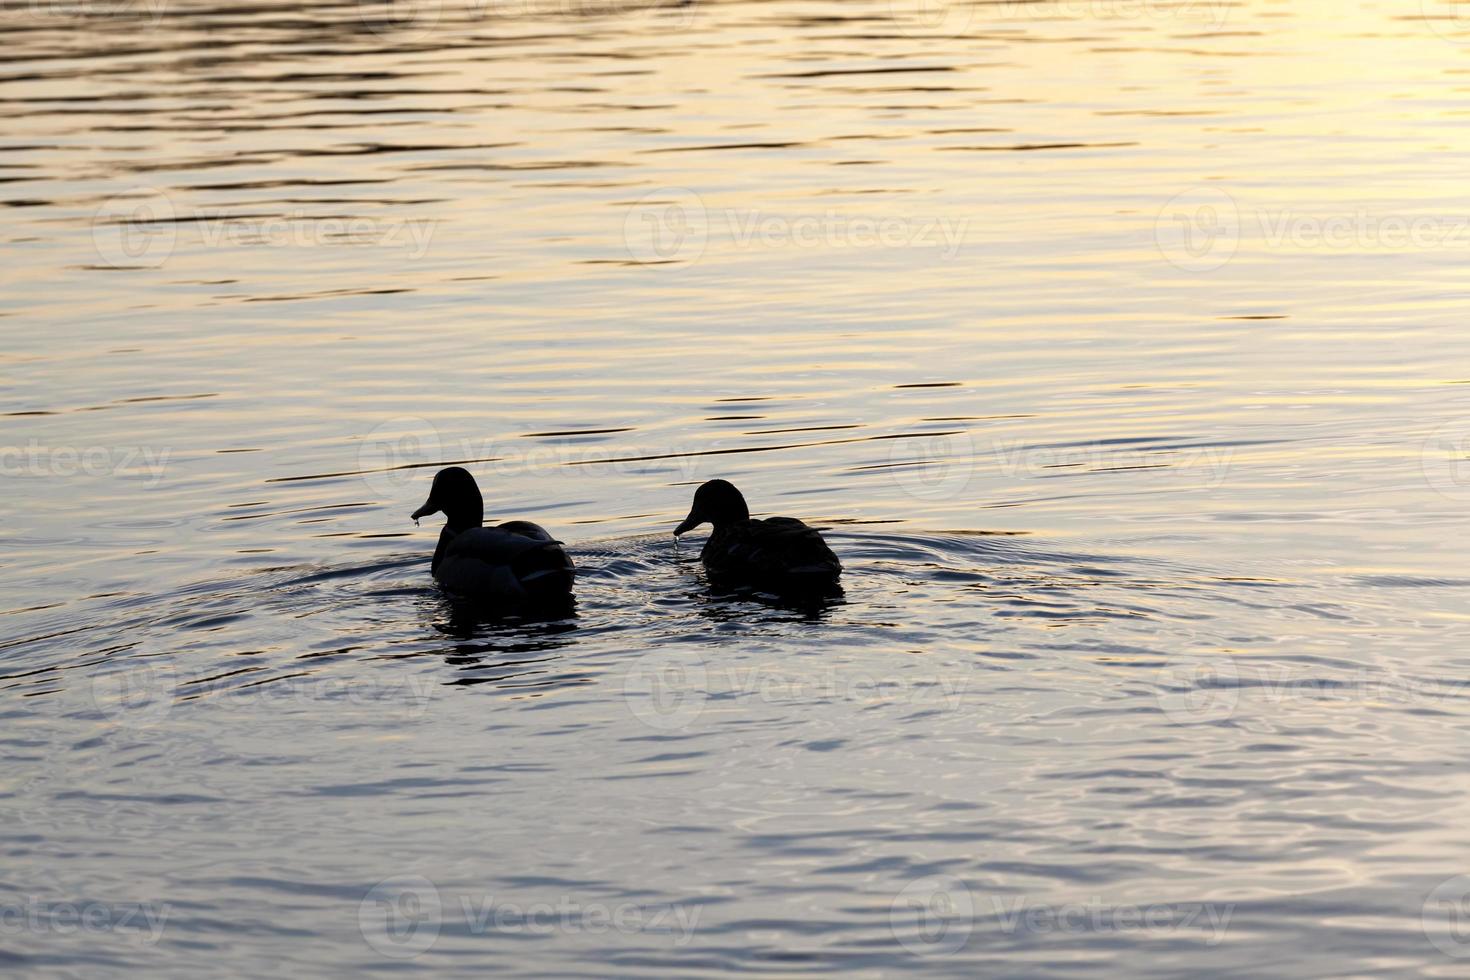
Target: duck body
pixel 516 562
pixel 777 554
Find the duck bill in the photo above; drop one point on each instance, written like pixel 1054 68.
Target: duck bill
pixel 690 523
pixel 428 508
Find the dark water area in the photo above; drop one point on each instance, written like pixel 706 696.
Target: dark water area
pixel 1117 347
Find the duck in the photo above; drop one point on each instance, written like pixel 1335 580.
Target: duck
pixel 777 554
pixel 516 561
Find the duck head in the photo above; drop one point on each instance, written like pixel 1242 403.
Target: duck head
pixel 455 493
pixel 716 502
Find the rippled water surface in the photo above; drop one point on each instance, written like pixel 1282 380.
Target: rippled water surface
pixel 1120 346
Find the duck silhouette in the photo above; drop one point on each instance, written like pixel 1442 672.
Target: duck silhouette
pixel 513 562
pixel 778 554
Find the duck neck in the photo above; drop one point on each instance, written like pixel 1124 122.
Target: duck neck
pixel 731 516
pixel 464 517
pixel 445 536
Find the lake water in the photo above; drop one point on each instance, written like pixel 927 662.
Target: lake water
pixel 1120 345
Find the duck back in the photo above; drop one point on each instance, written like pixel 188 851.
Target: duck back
pixel 517 560
pixel 778 554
